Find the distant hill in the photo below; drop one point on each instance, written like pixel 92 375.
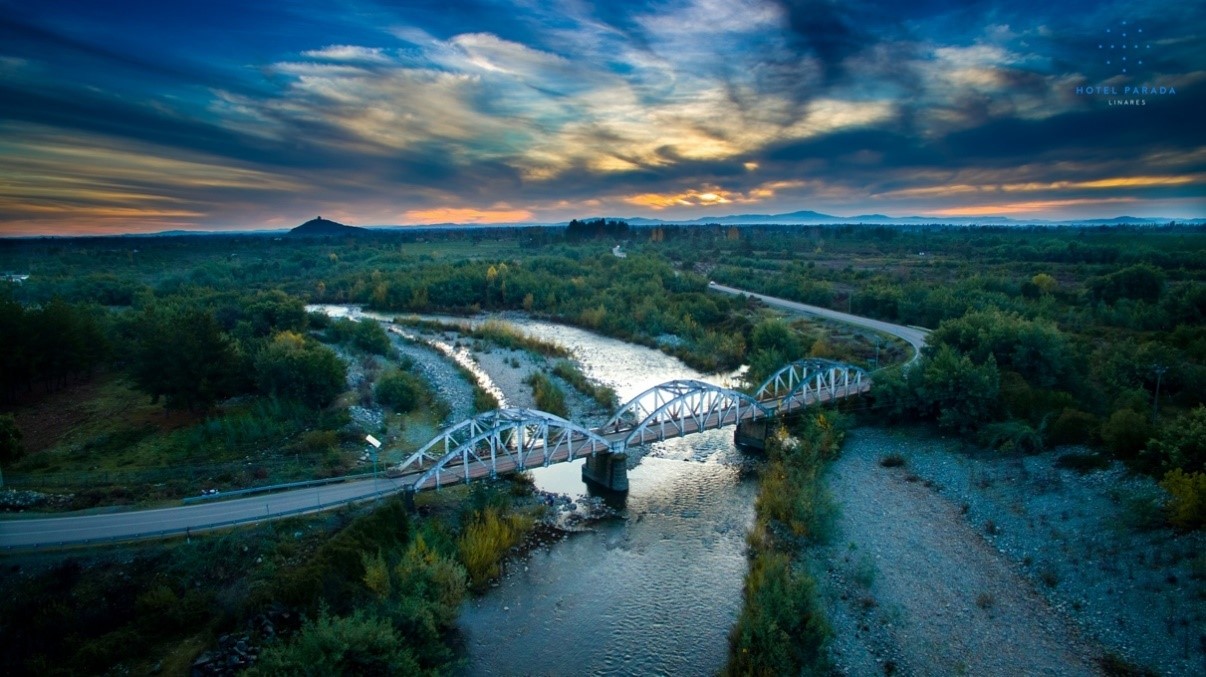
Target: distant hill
pixel 320 227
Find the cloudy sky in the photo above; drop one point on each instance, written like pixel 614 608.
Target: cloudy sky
pixel 144 116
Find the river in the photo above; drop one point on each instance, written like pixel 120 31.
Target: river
pixel 653 594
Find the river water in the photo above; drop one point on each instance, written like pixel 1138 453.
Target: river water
pixel 655 593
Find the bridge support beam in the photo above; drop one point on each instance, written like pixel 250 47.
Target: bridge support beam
pixel 751 434
pixel 609 471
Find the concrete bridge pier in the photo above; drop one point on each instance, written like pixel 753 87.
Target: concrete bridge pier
pixel 608 470
pixel 751 434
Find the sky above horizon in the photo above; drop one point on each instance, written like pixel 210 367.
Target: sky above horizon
pixel 141 116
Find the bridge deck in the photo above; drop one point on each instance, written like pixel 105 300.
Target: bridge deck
pixel 455 473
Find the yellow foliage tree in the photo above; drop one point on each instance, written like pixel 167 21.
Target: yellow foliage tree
pixel 1187 502
pixel 1044 282
pixel 376 574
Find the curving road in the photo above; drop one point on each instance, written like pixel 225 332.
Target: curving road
pixel 914 336
pixel 50 532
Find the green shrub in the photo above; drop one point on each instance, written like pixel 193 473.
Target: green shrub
pixel 1011 436
pixel 1182 442
pixel 548 396
pixel 892 460
pixel 1082 463
pixel 570 373
pixel 360 644
pixel 318 441
pixel 1073 426
pixel 334 575
pixel 1126 432
pixel 401 391
pixel 376 574
pixel 298 368
pixel 483 401
pixel 11 447
pixel 371 338
pixel 263 424
pixel 438 580
pixel 100 654
pixel 781 629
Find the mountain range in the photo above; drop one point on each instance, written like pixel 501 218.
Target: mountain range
pixel 808 217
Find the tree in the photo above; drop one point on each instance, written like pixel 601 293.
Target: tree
pixel 183 356
pixel 399 391
pixel 1035 349
pixel 963 395
pixel 297 368
pixel 16 359
pixel 370 337
pixel 11 446
pixel 778 337
pixel 1126 432
pixel 1140 282
pixel 1182 442
pixel 1045 283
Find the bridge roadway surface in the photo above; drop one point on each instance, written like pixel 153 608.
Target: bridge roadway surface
pixel 20 532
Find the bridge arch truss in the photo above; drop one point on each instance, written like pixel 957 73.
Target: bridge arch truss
pixel 501 441
pixel 804 382
pixel 679 408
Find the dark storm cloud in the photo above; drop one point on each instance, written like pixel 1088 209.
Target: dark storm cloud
pixel 91 112
pixel 834 31
pixel 1084 134
pixel 23 37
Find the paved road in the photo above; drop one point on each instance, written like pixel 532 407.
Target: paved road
pixel 915 336
pixel 36 532
pixel 115 526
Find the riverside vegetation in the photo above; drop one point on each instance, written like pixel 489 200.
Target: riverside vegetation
pixel 359 591
pixel 782 628
pixel 145 369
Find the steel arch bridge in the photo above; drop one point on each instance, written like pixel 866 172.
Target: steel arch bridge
pixel 513 440
pixel 804 382
pixel 678 408
pixel 502 441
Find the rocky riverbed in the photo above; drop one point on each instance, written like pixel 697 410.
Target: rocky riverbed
pixel 953 561
pixel 441 374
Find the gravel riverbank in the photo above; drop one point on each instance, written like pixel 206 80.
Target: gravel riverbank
pixel 441 374
pixel 968 562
